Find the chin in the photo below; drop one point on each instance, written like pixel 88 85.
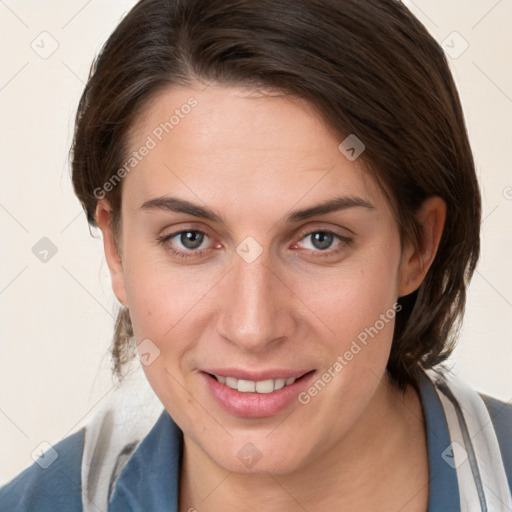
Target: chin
pixel 258 457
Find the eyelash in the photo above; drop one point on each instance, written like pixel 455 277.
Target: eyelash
pixel 163 240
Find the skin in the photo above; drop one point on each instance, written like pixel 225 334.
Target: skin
pixel 253 158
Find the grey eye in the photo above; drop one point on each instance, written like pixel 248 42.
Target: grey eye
pixel 321 240
pixel 191 239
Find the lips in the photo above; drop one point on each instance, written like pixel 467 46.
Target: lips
pixel 255 394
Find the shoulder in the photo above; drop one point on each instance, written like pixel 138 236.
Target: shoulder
pixel 501 417
pixel 500 412
pixel 52 485
pixel 481 425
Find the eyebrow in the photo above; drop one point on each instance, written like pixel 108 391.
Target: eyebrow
pixel 173 204
pixel 332 205
pixel 177 205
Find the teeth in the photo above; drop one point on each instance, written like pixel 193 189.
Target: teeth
pixel 279 383
pixel 250 386
pixel 246 386
pixel 265 386
pixel 231 382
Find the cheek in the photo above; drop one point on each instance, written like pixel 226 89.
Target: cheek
pixel 161 300
pixel 353 297
pixel 358 305
pixel 164 308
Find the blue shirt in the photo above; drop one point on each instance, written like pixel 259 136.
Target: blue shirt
pixel 149 480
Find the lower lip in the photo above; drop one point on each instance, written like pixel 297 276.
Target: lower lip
pixel 255 405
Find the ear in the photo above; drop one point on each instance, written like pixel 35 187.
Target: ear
pixel 417 260
pixel 103 218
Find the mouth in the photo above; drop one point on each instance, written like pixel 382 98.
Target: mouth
pixel 265 394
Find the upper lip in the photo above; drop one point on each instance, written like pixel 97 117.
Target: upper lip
pixel 257 375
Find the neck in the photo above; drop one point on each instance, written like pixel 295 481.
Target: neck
pixel 381 464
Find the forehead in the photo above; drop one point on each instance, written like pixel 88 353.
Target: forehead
pixel 240 145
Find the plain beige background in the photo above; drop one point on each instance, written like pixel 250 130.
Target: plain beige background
pixel 57 315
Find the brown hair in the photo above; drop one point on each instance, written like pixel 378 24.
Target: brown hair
pixel 370 68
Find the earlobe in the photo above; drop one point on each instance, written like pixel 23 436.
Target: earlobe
pixel 103 216
pixel 416 261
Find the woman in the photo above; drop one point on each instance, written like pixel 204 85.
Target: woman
pixel 290 216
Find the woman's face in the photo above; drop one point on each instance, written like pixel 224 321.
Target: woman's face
pixel 232 265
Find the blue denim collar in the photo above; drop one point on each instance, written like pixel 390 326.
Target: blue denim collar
pixel 150 479
pixel 444 488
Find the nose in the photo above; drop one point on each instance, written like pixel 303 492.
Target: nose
pixel 253 302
